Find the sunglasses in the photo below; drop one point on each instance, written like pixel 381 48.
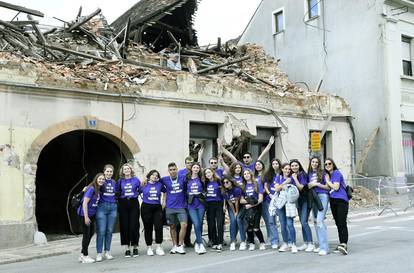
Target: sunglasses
pixel 226 182
pixel 247 156
pixel 328 163
pixel 213 162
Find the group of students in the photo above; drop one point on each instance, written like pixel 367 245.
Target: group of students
pixel 247 191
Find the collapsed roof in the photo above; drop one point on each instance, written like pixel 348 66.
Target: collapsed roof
pixel 148 20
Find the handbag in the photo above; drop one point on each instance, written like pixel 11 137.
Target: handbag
pixel 76 200
pixel 349 190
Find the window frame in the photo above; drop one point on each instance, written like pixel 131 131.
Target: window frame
pixel 408 40
pixel 308 6
pixel 275 25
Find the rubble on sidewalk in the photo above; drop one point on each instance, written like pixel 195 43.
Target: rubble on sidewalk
pixel 362 197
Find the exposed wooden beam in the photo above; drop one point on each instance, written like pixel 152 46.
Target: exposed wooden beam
pixel 23 23
pixel 84 20
pixel 21 9
pixel 73 52
pixel 223 64
pixel 11 26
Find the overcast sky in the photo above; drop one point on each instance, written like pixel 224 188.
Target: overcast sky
pixel 215 18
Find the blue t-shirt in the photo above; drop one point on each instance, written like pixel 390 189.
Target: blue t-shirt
pixel 239 180
pixel 219 172
pixel 108 191
pixel 337 177
pixel 272 187
pixel 128 187
pixel 175 189
pixel 151 193
pixel 213 192
pixel 92 204
pixel 195 187
pixel 182 172
pixel 313 177
pixel 232 194
pixel 250 166
pixel 249 190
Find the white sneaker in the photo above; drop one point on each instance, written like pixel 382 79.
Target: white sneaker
pixel 196 248
pixel 80 258
pixel 310 248
pixel 180 249
pixel 87 260
pixel 173 250
pixel 275 246
pixel 98 257
pixel 150 252
pixel 262 246
pixel 302 247
pixel 202 249
pixel 159 251
pixel 252 247
pixel 316 249
pixel 284 247
pixel 233 246
pixel 219 248
pixel 242 246
pixel 322 253
pixel 108 256
pixel 294 249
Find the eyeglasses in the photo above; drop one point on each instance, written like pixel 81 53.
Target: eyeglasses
pixel 246 156
pixel 213 162
pixel 226 182
pixel 328 163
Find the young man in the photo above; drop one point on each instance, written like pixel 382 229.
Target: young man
pixel 175 203
pixel 248 162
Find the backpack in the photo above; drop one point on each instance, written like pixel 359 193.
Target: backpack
pixel 76 200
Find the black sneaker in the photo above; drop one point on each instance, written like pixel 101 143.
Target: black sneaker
pixel 128 254
pixel 343 249
pixel 135 252
pixel 336 250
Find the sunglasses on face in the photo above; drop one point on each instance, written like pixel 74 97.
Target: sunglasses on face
pixel 213 162
pixel 328 163
pixel 226 182
pixel 247 156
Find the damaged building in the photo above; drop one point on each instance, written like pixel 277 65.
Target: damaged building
pixel 88 93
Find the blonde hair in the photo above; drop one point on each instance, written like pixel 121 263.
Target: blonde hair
pixel 121 171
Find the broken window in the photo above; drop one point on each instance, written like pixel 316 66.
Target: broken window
pixel 278 21
pixel 408 147
pixel 259 143
pixel 320 147
pixel 203 134
pixel 406 55
pixel 313 8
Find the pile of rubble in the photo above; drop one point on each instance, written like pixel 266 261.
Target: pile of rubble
pixel 363 197
pixel 88 51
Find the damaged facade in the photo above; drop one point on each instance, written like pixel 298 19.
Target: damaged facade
pixel 63 117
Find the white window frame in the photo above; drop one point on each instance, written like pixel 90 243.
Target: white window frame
pixel 280 10
pixel 408 40
pixel 307 10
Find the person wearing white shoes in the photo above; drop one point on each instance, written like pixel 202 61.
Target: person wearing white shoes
pixel 318 183
pixel 232 193
pixel 87 212
pixel 151 211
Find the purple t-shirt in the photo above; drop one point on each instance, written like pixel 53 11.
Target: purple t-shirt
pixel 175 190
pixel 239 180
pixel 302 177
pixel 128 187
pixel 313 177
pixel 151 193
pixel 213 192
pixel 219 172
pixel 108 191
pixel 250 166
pixel 232 194
pixel 195 187
pixel 337 177
pixel 182 172
pixel 249 190
pixel 272 187
pixel 92 204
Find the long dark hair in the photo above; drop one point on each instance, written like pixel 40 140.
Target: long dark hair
pixel 283 166
pixel 333 165
pixel 190 173
pixel 256 173
pixel 229 178
pixel 95 185
pixel 301 169
pixel 151 173
pixel 318 170
pixel 270 172
pixel 233 168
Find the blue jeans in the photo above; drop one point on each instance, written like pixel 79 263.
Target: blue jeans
pixel 286 226
pixel 197 216
pixel 105 220
pixel 270 221
pixel 320 225
pixel 233 225
pixel 304 211
pixel 242 228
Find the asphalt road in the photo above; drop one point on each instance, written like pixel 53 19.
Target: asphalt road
pixel 377 244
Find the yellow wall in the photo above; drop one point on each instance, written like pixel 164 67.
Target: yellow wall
pixel 11 178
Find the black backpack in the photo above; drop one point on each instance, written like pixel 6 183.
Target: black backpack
pixel 77 200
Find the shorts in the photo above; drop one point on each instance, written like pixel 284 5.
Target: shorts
pixel 176 216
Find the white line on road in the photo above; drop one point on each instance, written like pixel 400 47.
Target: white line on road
pixel 402 219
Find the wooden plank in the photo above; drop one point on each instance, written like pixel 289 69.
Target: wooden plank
pixel 223 64
pixel 21 9
pixel 11 26
pixel 23 23
pixel 366 150
pixel 84 20
pixel 77 53
pixel 39 34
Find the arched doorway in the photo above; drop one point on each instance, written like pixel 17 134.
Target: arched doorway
pixel 61 164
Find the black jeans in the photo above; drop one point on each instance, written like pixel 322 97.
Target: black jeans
pixel 88 232
pixel 339 210
pixel 151 215
pixel 129 221
pixel 215 219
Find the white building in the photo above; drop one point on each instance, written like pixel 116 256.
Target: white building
pixel 362 50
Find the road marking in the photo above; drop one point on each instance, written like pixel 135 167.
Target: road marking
pixel 402 219
pixel 222 262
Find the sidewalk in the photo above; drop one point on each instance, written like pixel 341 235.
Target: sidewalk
pixel 73 245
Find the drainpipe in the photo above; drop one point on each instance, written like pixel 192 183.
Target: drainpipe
pixel 353 150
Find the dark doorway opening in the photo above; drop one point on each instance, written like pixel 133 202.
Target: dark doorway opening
pixel 62 163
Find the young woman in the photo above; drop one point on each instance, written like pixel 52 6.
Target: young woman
pixel 232 193
pixel 252 198
pixel 271 177
pixel 339 202
pixel 86 212
pixel 151 212
pixel 286 223
pixel 196 204
pixel 106 215
pixel 316 182
pixel 300 180
pixel 215 213
pixel 128 186
pixel 236 172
